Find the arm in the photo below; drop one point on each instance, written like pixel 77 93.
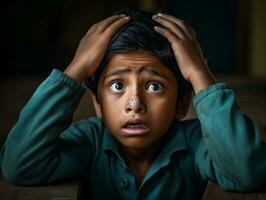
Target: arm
pixel 188 54
pixel 42 147
pixel 231 152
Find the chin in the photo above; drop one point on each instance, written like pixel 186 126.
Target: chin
pixel 136 143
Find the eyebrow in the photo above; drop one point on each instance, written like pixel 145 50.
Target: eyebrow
pixel 148 69
pixel 117 72
pixel 155 72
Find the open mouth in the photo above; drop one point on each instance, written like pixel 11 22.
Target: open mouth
pixel 132 128
pixel 141 126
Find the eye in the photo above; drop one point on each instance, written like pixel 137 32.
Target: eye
pixel 155 87
pixel 117 86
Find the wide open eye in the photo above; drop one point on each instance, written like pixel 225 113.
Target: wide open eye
pixel 155 87
pixel 117 86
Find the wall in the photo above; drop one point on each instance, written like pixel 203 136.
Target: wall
pixel 258 38
pixel 214 23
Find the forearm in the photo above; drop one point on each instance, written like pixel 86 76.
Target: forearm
pixel 76 72
pixel 34 138
pixel 201 79
pixel 232 139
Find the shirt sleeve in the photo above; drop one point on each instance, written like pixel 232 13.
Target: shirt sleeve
pixel 231 152
pixel 43 146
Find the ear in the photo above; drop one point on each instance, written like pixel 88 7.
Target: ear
pixel 96 104
pixel 183 106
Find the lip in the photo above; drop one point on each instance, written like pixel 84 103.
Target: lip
pixel 135 131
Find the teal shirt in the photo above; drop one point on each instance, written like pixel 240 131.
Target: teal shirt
pixel 44 146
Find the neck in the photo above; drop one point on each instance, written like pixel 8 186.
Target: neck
pixel 140 160
pixel 143 155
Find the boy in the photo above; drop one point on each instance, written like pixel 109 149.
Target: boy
pixel 138 66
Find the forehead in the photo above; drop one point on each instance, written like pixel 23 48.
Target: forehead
pixel 137 62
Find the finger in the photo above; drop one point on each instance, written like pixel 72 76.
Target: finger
pixel 170 36
pixel 116 25
pixel 170 25
pixel 181 23
pixel 104 24
pixel 192 32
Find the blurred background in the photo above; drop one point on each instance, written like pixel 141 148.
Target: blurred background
pixel 37 36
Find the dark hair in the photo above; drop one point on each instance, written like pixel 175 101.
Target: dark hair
pixel 136 36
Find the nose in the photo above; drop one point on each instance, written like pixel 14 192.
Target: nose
pixel 135 105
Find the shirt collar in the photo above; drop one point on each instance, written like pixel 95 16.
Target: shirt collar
pixel 110 144
pixel 173 141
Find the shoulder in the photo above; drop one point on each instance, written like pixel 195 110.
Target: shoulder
pixel 86 130
pixel 92 124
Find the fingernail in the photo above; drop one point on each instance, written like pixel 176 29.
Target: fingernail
pixel 122 15
pixel 159 14
pixel 156 28
pixel 154 17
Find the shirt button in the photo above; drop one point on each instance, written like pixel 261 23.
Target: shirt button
pixel 205 135
pixel 124 183
pixel 123 165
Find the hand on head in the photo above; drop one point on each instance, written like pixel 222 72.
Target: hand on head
pixel 92 47
pixel 187 50
pixel 180 35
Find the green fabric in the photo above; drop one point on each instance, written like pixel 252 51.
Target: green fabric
pixel 44 146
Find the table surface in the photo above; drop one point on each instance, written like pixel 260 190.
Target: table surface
pixel 72 191
pixel 214 192
pixel 59 191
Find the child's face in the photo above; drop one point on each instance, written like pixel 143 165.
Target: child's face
pixel 143 76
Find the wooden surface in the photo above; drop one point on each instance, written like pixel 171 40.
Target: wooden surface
pixel 214 192
pixel 71 191
pixel 63 191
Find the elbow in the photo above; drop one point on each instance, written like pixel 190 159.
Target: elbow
pixel 16 175
pixel 17 179
pixel 246 186
pixel 249 187
pixel 250 182
pixel 250 173
pixel 12 175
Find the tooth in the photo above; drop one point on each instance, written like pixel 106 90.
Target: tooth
pixel 137 126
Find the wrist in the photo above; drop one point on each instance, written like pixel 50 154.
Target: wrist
pixel 201 80
pixel 75 73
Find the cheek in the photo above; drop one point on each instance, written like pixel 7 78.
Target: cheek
pixel 163 110
pixel 112 109
pixel 108 107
